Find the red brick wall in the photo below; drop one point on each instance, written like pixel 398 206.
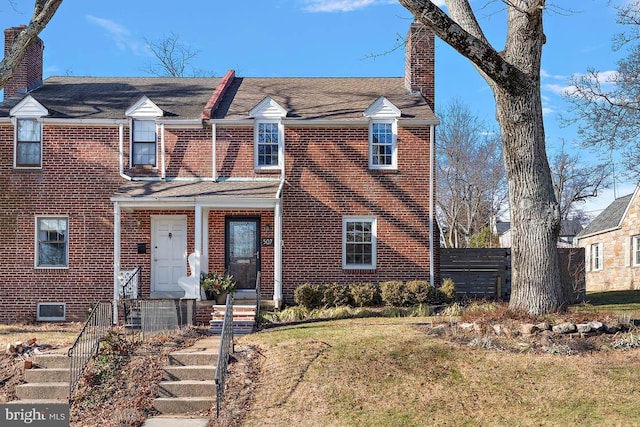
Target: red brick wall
pixel 328 177
pixel 78 177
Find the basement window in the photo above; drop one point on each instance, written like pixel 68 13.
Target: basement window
pixel 51 312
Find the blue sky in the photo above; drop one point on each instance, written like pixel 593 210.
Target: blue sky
pixel 318 38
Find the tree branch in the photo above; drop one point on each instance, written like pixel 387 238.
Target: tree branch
pixel 42 14
pixel 469 42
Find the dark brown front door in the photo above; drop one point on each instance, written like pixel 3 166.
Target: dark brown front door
pixel 243 251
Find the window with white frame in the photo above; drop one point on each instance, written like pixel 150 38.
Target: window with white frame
pixel 144 142
pixel 359 242
pixel 52 242
pixel 28 150
pixel 382 145
pixel 636 251
pixel 596 256
pixel 267 145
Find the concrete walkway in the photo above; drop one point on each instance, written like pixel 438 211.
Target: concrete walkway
pixel 176 421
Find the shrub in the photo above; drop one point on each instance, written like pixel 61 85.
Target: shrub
pixel 418 292
pixel 392 293
pixel 307 296
pixel 447 291
pixel 365 294
pixel 336 295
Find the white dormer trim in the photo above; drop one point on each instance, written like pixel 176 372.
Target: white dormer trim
pixel 268 109
pixel 144 108
pixel 29 107
pixel 382 108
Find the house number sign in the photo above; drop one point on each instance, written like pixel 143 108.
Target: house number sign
pixel 268 241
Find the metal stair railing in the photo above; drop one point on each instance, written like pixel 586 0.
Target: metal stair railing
pixel 130 283
pixel 226 348
pixel 86 345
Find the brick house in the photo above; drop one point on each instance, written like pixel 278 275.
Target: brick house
pixel 612 246
pixel 305 180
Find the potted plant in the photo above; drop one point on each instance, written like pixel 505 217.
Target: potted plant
pixel 216 286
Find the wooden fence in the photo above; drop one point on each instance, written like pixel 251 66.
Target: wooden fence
pixel 486 273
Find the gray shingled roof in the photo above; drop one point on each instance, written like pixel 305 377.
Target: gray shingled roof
pixel 110 97
pixel 568 227
pixel 321 98
pixel 206 189
pixel 608 218
pixel 185 98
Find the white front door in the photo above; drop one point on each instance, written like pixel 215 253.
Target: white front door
pixel 168 255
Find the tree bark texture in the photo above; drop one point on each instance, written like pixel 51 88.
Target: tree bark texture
pixel 514 77
pixel 42 14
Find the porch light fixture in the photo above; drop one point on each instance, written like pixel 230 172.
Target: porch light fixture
pixel 267 228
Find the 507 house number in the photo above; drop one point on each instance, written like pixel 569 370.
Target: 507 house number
pixel 268 241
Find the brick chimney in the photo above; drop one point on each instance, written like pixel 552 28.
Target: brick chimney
pixel 28 75
pixel 419 72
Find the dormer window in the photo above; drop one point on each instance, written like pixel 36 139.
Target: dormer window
pixel 144 139
pixel 144 147
pixel 28 143
pixel 26 118
pixel 268 144
pixel 383 134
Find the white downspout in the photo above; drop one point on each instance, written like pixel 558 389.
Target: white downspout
pixel 214 139
pixel 197 249
pixel 121 152
pixel 277 249
pixel 116 259
pixel 162 157
pixel 432 136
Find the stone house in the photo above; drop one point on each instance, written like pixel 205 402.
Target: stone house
pixel 302 180
pixel 612 246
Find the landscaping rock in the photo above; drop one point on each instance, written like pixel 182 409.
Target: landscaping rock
pixel 528 329
pixel 543 326
pixel 466 325
pixel 596 326
pixel 583 328
pixel 564 328
pixel 498 329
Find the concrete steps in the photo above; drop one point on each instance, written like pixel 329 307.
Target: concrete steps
pixel 47 381
pixel 244 318
pixel 188 383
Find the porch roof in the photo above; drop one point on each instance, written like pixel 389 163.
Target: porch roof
pixel 189 193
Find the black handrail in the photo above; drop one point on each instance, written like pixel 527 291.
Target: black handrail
pixel 86 344
pixel 129 285
pixel 226 347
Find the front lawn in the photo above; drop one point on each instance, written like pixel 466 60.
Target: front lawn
pixel 620 302
pixel 394 371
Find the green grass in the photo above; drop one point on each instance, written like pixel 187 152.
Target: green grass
pixel 616 302
pixel 389 372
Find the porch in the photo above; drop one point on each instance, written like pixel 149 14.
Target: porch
pixel 174 231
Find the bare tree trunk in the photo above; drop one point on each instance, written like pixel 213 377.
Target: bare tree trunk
pixel 535 217
pixel 514 76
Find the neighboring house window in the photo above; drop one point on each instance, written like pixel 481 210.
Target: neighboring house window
pixel 28 143
pixel 359 242
pixel 144 142
pixel 596 256
pixel 52 242
pixel 267 148
pixel 636 250
pixel 382 145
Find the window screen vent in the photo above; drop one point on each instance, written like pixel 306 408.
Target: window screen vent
pixel 51 311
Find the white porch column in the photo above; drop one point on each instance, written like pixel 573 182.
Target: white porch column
pixel 277 255
pixel 204 259
pixel 198 248
pixel 117 230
